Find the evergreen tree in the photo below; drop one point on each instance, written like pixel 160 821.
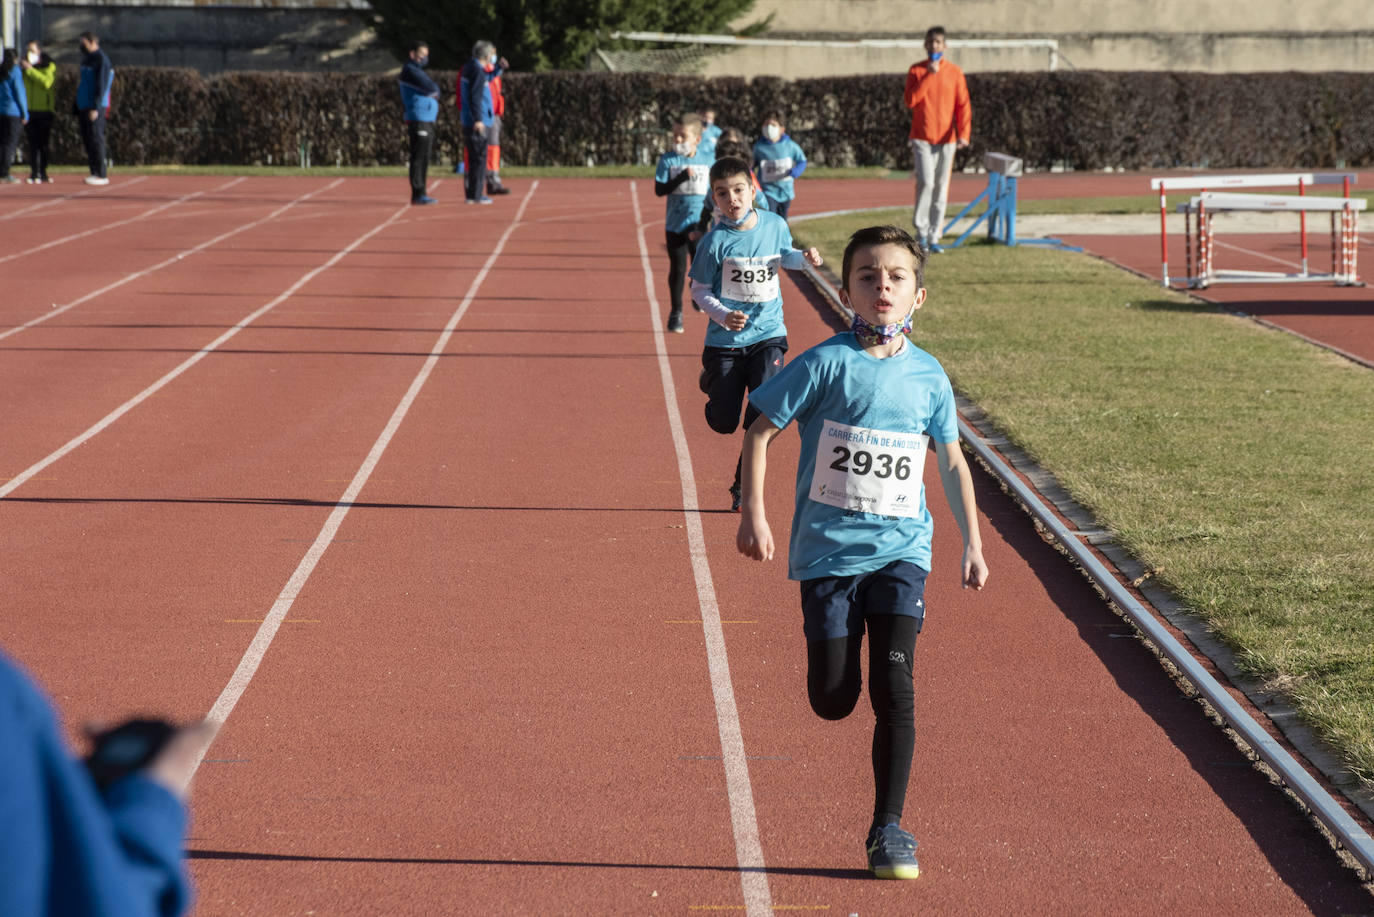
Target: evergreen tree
pixel 541 34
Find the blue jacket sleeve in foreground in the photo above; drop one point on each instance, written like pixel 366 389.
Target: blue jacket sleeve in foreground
pixel 65 849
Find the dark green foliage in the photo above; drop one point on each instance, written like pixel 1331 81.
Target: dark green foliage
pixel 540 35
pixel 1085 120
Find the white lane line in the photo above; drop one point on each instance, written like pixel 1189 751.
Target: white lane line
pixel 58 310
pixel 107 226
pixel 253 656
pixel 748 850
pixel 1250 251
pixel 67 197
pixel 18 480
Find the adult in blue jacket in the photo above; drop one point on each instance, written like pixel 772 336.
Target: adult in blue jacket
pixel 69 849
pixel 93 105
pixel 14 112
pixel 420 96
pixel 476 114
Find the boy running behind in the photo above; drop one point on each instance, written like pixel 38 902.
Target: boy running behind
pixel 681 177
pixel 779 161
pixel 735 281
pixel 866 402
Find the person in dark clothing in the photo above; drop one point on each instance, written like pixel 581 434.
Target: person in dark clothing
pixel 420 96
pixel 14 112
pixel 476 114
pixel 93 105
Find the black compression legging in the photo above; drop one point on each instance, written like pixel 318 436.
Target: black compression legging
pixel 681 248
pixel 833 682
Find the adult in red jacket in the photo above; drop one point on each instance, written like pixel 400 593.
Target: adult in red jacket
pixel 498 107
pixel 941 122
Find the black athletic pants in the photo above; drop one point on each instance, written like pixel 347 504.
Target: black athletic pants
pixel 421 134
pixel 11 127
pixel 681 249
pixel 93 137
pixel 39 130
pixel 475 179
pixel 833 683
pixel 728 374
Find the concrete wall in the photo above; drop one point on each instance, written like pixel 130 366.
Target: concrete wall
pixel 1056 17
pixel 272 35
pixel 1209 52
pixel 1216 36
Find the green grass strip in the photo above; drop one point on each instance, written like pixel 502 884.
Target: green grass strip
pixel 1233 460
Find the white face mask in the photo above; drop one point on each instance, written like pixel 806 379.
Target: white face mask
pixel 773 133
pixel 34 57
pixel 683 149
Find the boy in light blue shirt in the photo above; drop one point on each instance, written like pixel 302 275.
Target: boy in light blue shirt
pixel 779 161
pixel 682 177
pixel 735 281
pixel 867 403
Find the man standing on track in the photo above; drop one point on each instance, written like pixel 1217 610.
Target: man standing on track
pixel 941 121
pixel 93 105
pixel 420 96
pixel 478 115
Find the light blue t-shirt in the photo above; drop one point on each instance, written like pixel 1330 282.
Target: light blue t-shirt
pixel 743 267
pixel 775 164
pixel 687 199
pixel 863 424
pixel 710 134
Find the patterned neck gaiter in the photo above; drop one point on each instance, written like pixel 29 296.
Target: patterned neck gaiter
pixel 870 335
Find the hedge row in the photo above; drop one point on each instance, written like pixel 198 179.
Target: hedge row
pixel 1085 119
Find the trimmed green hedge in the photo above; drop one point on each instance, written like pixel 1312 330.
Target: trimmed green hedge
pixel 1084 119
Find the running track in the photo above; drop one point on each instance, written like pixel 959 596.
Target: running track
pixel 421 502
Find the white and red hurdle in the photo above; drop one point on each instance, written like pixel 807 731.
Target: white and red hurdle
pixel 1199 211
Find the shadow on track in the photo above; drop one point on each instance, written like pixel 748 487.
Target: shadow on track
pixel 550 864
pixel 1300 857
pixel 308 503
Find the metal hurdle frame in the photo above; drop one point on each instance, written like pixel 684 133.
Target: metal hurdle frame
pixel 1202 183
pixel 1344 250
pixel 1000 215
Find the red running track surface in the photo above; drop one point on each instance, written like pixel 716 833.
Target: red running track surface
pixel 492 693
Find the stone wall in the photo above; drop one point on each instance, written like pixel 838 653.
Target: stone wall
pixel 266 35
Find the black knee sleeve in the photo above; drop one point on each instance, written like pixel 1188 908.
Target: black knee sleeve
pixel 833 679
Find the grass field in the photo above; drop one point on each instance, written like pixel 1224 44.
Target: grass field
pixel 1232 460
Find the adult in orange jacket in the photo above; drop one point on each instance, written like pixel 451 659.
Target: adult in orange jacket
pixel 941 122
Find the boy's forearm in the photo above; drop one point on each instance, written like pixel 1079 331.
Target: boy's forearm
pixel 715 310
pixel 957 482
pixel 754 463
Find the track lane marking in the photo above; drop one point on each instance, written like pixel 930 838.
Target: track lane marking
pixel 276 615
pixel 18 480
pixel 128 278
pixel 748 850
pixel 124 222
pixel 66 197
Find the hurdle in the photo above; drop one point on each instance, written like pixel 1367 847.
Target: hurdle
pixel 1202 183
pixel 1000 215
pixel 1344 251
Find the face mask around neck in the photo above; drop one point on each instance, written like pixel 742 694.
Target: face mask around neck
pixel 871 335
pixel 736 224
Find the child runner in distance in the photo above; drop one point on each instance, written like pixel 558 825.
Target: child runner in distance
pixel 682 177
pixel 710 131
pixel 779 161
pixel 731 145
pixel 866 402
pixel 735 280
